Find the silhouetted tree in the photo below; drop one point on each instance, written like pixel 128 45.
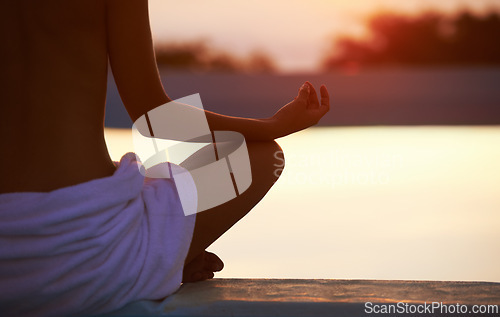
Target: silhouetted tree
pixel 199 56
pixel 182 55
pixel 426 39
pixel 259 62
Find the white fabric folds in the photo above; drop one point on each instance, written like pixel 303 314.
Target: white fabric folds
pixel 93 247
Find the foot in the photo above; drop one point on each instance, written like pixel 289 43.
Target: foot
pixel 202 268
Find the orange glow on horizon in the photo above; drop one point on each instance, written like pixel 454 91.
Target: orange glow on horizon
pixel 295 33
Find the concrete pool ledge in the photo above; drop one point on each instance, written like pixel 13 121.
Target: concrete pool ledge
pixel 293 297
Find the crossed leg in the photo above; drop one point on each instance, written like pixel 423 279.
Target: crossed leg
pixel 266 161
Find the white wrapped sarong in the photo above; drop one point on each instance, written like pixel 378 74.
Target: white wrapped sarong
pixel 93 247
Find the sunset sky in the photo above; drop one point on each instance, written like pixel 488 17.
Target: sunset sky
pixel 294 33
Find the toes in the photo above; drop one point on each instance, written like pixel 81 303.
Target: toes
pixel 191 278
pixel 216 267
pixel 202 276
pixel 199 276
pixel 208 275
pixel 214 263
pixel 202 268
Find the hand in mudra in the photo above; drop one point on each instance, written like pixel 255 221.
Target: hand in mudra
pixel 304 111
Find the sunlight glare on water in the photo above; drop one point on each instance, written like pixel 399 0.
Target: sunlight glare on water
pixel 372 203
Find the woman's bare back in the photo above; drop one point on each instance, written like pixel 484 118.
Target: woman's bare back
pixel 54 73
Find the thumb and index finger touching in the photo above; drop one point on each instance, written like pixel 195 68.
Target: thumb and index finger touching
pixel 308 94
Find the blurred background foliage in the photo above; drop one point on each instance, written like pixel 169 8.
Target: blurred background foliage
pixel 427 39
pixel 200 56
pixel 394 39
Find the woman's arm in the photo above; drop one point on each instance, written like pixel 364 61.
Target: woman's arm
pixel 304 111
pixel 131 55
pixel 132 58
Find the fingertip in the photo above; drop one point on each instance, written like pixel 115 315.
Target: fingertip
pixel 304 90
pixel 307 86
pixel 324 91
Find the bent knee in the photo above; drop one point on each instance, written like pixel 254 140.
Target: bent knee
pixel 278 157
pixel 266 157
